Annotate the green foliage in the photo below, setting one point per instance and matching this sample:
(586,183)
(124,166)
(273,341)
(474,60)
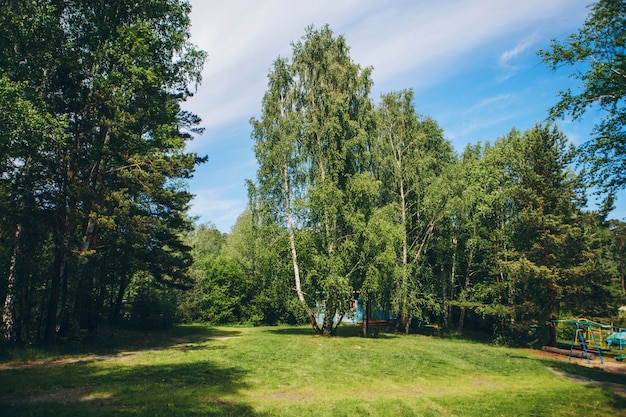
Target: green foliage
(532,253)
(94,155)
(242,277)
(219,288)
(375,205)
(596,54)
(205,241)
(222,292)
(152,306)
(311,144)
(412,163)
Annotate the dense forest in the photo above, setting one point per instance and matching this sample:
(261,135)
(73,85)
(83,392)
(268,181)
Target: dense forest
(354,199)
(92,195)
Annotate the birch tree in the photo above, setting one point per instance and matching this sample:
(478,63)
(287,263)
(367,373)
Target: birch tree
(413,160)
(311,142)
(277,150)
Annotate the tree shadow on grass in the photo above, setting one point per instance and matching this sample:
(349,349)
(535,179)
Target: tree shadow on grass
(113,341)
(137,340)
(200,388)
(589,373)
(467,336)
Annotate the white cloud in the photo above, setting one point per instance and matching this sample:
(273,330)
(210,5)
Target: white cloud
(491,101)
(423,38)
(507,56)
(410,43)
(212,205)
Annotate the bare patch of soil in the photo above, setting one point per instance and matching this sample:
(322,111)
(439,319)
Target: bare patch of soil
(284,395)
(56,362)
(609,365)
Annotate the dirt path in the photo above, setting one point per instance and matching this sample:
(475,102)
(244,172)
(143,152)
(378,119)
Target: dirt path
(609,365)
(618,388)
(65,361)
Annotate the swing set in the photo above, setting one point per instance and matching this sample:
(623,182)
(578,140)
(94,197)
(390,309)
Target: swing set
(589,336)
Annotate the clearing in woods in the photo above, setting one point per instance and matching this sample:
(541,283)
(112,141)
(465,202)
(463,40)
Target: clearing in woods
(285,371)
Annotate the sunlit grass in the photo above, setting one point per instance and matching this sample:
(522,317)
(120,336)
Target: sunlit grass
(288,371)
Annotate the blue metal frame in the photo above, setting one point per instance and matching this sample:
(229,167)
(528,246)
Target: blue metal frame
(579,331)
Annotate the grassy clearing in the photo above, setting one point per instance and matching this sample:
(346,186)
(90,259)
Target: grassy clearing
(288,371)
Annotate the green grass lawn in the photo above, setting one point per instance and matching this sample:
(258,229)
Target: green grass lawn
(288,371)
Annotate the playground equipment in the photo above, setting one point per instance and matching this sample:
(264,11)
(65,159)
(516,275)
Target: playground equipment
(590,335)
(617,338)
(594,337)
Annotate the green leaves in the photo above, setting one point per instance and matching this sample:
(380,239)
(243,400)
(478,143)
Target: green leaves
(374,203)
(100,136)
(311,147)
(411,161)
(597,54)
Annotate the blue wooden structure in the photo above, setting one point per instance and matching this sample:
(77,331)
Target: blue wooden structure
(356,314)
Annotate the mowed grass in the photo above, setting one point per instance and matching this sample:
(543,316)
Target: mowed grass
(288,371)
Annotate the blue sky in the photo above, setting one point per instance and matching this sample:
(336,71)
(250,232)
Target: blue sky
(471,63)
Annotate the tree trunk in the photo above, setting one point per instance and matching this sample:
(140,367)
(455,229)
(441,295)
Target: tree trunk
(462,312)
(59,273)
(403,320)
(8,313)
(51,321)
(466,284)
(499,279)
(551,307)
(116,315)
(86,314)
(327,328)
(546,259)
(366,318)
(448,320)
(294,254)
(461,320)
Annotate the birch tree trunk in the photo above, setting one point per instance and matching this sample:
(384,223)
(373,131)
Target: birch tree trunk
(8,313)
(294,254)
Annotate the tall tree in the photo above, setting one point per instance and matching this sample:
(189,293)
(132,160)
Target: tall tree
(545,193)
(597,55)
(540,256)
(492,291)
(412,167)
(312,138)
(337,115)
(116,73)
(279,176)
(471,244)
(30,136)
